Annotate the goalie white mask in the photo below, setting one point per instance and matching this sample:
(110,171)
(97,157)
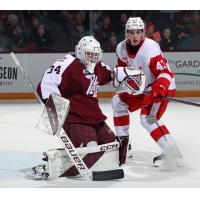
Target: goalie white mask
(89,52)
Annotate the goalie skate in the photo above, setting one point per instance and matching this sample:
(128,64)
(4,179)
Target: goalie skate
(38,173)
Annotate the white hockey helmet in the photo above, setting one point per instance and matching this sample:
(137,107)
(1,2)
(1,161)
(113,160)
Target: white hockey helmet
(89,52)
(134,23)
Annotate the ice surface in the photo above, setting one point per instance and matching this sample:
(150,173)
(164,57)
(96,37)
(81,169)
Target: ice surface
(21,147)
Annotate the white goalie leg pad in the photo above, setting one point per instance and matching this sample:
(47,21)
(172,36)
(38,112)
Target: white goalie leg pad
(58,161)
(109,160)
(62,108)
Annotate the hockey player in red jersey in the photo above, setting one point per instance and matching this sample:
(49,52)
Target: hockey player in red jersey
(78,79)
(157,80)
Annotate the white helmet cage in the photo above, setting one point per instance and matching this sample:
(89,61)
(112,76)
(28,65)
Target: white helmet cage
(135,84)
(134,23)
(89,52)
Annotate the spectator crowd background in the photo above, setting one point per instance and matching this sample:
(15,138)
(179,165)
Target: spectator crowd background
(58,31)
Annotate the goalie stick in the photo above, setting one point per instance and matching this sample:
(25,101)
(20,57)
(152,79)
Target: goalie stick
(65,140)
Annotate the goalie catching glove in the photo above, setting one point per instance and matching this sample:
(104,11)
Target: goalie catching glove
(131,80)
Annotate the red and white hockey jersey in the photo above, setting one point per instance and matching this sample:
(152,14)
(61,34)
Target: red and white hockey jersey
(148,58)
(68,78)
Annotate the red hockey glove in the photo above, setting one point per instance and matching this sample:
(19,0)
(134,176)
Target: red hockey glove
(160,87)
(123,140)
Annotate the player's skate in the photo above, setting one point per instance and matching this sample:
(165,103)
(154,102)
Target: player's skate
(171,156)
(170,159)
(178,157)
(38,172)
(158,161)
(165,161)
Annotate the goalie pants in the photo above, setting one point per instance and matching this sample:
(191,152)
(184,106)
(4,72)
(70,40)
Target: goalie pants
(150,114)
(82,134)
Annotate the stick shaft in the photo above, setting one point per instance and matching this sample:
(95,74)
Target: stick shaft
(26,77)
(176,100)
(183,101)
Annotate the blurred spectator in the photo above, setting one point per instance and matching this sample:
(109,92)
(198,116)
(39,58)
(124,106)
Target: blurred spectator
(41,41)
(4,42)
(78,20)
(194,26)
(15,33)
(3,20)
(70,28)
(184,39)
(152,33)
(61,30)
(32,28)
(167,43)
(181,19)
(96,16)
(103,32)
(113,41)
(121,26)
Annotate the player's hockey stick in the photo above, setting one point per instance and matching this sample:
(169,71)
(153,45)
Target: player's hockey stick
(177,100)
(65,140)
(182,101)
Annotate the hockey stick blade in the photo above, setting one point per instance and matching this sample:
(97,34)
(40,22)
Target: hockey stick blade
(107,175)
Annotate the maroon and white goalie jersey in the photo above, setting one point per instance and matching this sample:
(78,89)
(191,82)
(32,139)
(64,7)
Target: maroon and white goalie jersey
(148,58)
(68,78)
